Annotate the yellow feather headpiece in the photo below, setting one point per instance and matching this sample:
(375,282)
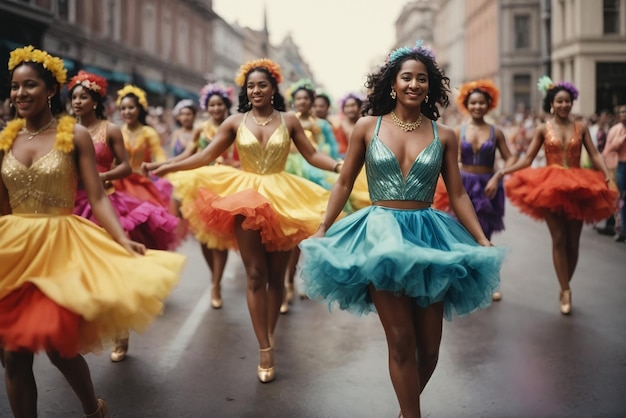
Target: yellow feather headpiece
(130,89)
(271,66)
(31,54)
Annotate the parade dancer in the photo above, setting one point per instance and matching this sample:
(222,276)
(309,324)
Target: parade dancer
(261,209)
(142,144)
(144,222)
(217,101)
(561,193)
(185,115)
(478,142)
(412,264)
(64,285)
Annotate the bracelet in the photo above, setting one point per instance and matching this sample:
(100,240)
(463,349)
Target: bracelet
(338,166)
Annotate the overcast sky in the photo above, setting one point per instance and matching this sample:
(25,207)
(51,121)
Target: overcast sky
(339,39)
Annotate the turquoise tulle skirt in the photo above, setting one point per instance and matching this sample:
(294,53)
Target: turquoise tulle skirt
(425,254)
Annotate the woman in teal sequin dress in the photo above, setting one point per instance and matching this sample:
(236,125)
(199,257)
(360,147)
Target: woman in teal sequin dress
(399,257)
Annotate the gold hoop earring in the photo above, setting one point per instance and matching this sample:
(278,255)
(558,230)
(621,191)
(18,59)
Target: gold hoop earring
(393,94)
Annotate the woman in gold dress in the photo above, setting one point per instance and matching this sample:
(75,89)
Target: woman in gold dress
(259,209)
(64,285)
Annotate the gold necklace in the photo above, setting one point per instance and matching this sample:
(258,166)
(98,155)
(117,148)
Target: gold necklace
(31,135)
(268,120)
(93,130)
(406,126)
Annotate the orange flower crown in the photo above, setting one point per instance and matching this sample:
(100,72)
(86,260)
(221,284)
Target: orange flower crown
(246,68)
(31,54)
(484,86)
(89,81)
(130,89)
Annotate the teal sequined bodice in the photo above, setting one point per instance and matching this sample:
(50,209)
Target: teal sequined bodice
(384,175)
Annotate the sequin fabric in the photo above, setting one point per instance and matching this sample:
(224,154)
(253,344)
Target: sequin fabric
(48,186)
(259,159)
(562,153)
(385,178)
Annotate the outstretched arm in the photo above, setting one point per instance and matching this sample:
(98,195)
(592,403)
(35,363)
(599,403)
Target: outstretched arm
(223,139)
(533,149)
(314,157)
(509,160)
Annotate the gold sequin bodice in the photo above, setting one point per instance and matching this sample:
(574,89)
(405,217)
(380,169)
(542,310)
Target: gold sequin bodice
(48,186)
(263,160)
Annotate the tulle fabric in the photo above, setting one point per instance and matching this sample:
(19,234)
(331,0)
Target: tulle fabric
(157,191)
(144,222)
(284,208)
(574,193)
(490,212)
(67,286)
(424,254)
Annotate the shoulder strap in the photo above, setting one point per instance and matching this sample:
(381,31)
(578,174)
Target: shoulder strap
(380,118)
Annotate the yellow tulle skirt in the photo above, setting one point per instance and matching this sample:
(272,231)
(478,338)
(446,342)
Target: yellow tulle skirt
(284,208)
(67,286)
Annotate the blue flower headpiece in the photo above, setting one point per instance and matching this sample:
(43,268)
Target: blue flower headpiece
(419,48)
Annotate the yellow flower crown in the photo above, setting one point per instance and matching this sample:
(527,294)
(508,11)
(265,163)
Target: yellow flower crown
(31,54)
(130,89)
(271,66)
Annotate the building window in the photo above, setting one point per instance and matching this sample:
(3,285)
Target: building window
(611,16)
(63,9)
(522,31)
(521,91)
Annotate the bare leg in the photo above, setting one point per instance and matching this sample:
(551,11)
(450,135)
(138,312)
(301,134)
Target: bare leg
(277,262)
(255,260)
(574,229)
(291,266)
(428,329)
(558,232)
(20,384)
(216,260)
(396,316)
(76,372)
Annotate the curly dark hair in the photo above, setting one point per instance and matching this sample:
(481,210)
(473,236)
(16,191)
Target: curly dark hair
(551,94)
(56,107)
(379,102)
(278,99)
(99,100)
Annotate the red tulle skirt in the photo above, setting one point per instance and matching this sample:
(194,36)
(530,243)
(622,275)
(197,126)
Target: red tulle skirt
(574,193)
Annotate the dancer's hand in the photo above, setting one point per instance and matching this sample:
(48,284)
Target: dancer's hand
(133,247)
(492,187)
(161,171)
(485,243)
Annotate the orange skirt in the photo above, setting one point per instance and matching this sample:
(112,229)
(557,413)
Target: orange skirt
(574,193)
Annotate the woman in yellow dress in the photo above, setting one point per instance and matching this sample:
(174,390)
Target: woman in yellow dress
(64,285)
(259,209)
(143,144)
(217,102)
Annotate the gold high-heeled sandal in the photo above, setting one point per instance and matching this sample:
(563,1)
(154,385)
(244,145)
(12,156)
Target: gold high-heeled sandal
(216,301)
(265,375)
(566,302)
(101,412)
(119,351)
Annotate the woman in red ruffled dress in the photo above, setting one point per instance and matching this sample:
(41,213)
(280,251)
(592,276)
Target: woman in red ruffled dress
(561,193)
